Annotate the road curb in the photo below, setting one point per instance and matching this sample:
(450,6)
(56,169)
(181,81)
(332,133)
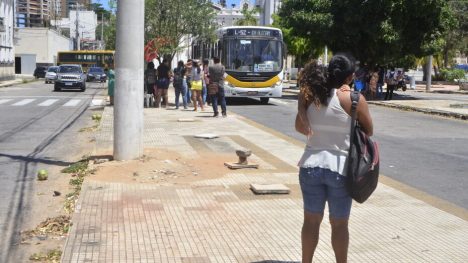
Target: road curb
(460,116)
(455,115)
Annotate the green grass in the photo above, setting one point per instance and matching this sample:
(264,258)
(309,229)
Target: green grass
(77,167)
(78,170)
(51,256)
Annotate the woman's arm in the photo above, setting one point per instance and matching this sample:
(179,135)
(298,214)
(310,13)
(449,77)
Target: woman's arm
(302,122)
(364,117)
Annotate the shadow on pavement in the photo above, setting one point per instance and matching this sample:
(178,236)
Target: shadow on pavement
(244,101)
(35,160)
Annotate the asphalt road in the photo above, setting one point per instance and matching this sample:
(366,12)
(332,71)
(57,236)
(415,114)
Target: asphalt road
(38,130)
(427,152)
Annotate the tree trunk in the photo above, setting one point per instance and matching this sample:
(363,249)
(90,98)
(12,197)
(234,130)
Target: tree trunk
(425,65)
(446,57)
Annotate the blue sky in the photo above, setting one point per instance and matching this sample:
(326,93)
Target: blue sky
(105,3)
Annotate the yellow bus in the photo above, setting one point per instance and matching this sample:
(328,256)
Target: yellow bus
(87,58)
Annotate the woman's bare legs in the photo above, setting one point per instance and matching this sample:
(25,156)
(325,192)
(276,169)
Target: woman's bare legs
(310,235)
(196,97)
(340,238)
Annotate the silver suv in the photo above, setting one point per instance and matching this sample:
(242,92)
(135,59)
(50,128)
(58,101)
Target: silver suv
(70,76)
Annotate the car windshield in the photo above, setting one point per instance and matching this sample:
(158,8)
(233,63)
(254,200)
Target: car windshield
(96,70)
(69,69)
(52,69)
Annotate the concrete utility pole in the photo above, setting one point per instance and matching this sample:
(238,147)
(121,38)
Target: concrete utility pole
(102,31)
(429,73)
(128,104)
(77,27)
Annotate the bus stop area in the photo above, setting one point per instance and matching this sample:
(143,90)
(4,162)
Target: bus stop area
(180,203)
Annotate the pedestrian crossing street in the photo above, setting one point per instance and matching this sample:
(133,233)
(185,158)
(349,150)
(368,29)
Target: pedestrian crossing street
(47,102)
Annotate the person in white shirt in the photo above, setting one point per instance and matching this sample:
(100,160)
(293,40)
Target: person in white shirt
(324,117)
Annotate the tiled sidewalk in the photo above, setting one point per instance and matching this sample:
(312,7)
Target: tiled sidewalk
(221,220)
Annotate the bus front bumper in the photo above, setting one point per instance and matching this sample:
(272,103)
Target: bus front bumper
(274,91)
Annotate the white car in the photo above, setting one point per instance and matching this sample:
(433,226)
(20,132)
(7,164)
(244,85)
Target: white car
(51,74)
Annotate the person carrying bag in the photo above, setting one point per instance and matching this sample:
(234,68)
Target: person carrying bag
(324,117)
(363,159)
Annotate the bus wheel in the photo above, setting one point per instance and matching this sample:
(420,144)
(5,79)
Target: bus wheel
(264,100)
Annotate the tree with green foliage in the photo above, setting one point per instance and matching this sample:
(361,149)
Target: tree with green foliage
(110,26)
(456,38)
(173,20)
(248,16)
(375,32)
(102,15)
(300,47)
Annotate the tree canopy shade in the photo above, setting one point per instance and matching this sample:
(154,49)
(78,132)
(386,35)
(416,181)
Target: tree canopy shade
(374,31)
(172,20)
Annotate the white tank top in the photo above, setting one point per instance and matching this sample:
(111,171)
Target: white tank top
(329,144)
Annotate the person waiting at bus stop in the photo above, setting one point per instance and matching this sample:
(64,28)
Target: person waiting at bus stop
(162,84)
(197,86)
(216,75)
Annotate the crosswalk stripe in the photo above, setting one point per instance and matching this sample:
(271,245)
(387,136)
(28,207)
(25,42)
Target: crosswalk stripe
(48,102)
(71,103)
(278,101)
(23,102)
(97,102)
(4,101)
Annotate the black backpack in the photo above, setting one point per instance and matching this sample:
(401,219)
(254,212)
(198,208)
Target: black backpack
(151,77)
(363,159)
(178,77)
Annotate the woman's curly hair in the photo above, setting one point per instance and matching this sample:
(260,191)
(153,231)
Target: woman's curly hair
(316,81)
(313,84)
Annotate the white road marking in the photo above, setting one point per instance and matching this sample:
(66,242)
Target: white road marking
(4,101)
(23,102)
(97,102)
(278,101)
(48,102)
(71,103)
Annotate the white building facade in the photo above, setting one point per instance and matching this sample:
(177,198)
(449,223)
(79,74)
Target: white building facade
(41,43)
(7,49)
(229,15)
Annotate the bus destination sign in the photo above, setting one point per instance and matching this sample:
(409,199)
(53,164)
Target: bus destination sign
(252,32)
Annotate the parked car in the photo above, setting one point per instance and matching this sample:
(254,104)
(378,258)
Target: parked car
(51,74)
(70,76)
(96,74)
(40,72)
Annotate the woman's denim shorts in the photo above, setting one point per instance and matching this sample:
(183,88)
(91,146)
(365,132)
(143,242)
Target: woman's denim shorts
(320,185)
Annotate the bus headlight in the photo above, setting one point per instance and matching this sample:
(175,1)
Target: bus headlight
(227,84)
(277,84)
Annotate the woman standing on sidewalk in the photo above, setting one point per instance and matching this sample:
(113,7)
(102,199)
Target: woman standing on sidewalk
(324,117)
(197,86)
(180,88)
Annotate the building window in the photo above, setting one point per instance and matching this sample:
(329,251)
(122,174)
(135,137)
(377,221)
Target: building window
(2,24)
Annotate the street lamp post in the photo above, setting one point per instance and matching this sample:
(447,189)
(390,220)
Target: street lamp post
(128,104)
(429,73)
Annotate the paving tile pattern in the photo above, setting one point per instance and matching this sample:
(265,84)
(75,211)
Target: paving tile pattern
(220,223)
(221,220)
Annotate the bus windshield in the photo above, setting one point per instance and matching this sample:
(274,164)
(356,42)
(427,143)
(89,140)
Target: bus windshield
(253,55)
